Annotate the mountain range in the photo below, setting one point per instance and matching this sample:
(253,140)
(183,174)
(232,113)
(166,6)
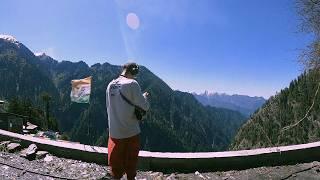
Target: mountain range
(242,103)
(176,122)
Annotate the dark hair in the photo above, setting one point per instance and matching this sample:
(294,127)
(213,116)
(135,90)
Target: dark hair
(132,68)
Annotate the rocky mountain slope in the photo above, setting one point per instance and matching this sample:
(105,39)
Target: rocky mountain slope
(244,104)
(176,122)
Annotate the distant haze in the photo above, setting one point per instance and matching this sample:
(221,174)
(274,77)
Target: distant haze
(242,103)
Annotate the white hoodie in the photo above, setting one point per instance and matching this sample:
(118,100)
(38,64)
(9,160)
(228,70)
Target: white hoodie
(121,118)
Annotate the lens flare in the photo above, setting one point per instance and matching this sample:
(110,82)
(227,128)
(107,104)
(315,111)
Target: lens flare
(133,21)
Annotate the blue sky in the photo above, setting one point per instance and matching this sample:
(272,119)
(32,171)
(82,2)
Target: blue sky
(246,47)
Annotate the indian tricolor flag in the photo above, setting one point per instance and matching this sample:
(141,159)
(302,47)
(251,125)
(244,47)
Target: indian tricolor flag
(81,89)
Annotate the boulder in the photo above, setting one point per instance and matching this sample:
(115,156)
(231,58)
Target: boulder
(48,158)
(41,154)
(12,147)
(30,152)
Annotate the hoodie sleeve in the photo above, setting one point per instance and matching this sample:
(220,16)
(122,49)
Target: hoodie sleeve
(138,99)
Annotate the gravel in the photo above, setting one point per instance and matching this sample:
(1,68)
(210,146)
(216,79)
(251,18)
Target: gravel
(13,166)
(49,166)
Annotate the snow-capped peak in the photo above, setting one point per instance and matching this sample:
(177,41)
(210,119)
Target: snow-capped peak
(9,38)
(40,54)
(43,56)
(208,93)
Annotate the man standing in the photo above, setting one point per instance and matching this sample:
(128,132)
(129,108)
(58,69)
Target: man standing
(124,144)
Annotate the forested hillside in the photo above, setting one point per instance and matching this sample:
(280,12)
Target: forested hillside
(290,117)
(293,115)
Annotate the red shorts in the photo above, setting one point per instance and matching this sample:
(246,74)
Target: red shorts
(123,156)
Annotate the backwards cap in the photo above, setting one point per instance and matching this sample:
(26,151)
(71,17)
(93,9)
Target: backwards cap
(131,67)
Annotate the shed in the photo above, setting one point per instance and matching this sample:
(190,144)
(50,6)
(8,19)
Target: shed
(11,122)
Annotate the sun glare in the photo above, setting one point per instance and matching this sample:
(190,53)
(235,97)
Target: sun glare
(133,21)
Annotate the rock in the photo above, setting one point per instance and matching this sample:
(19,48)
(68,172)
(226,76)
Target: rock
(41,154)
(48,158)
(199,175)
(5,167)
(12,147)
(105,177)
(30,152)
(3,145)
(171,177)
(156,175)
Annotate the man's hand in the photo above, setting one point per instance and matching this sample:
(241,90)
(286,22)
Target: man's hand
(146,94)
